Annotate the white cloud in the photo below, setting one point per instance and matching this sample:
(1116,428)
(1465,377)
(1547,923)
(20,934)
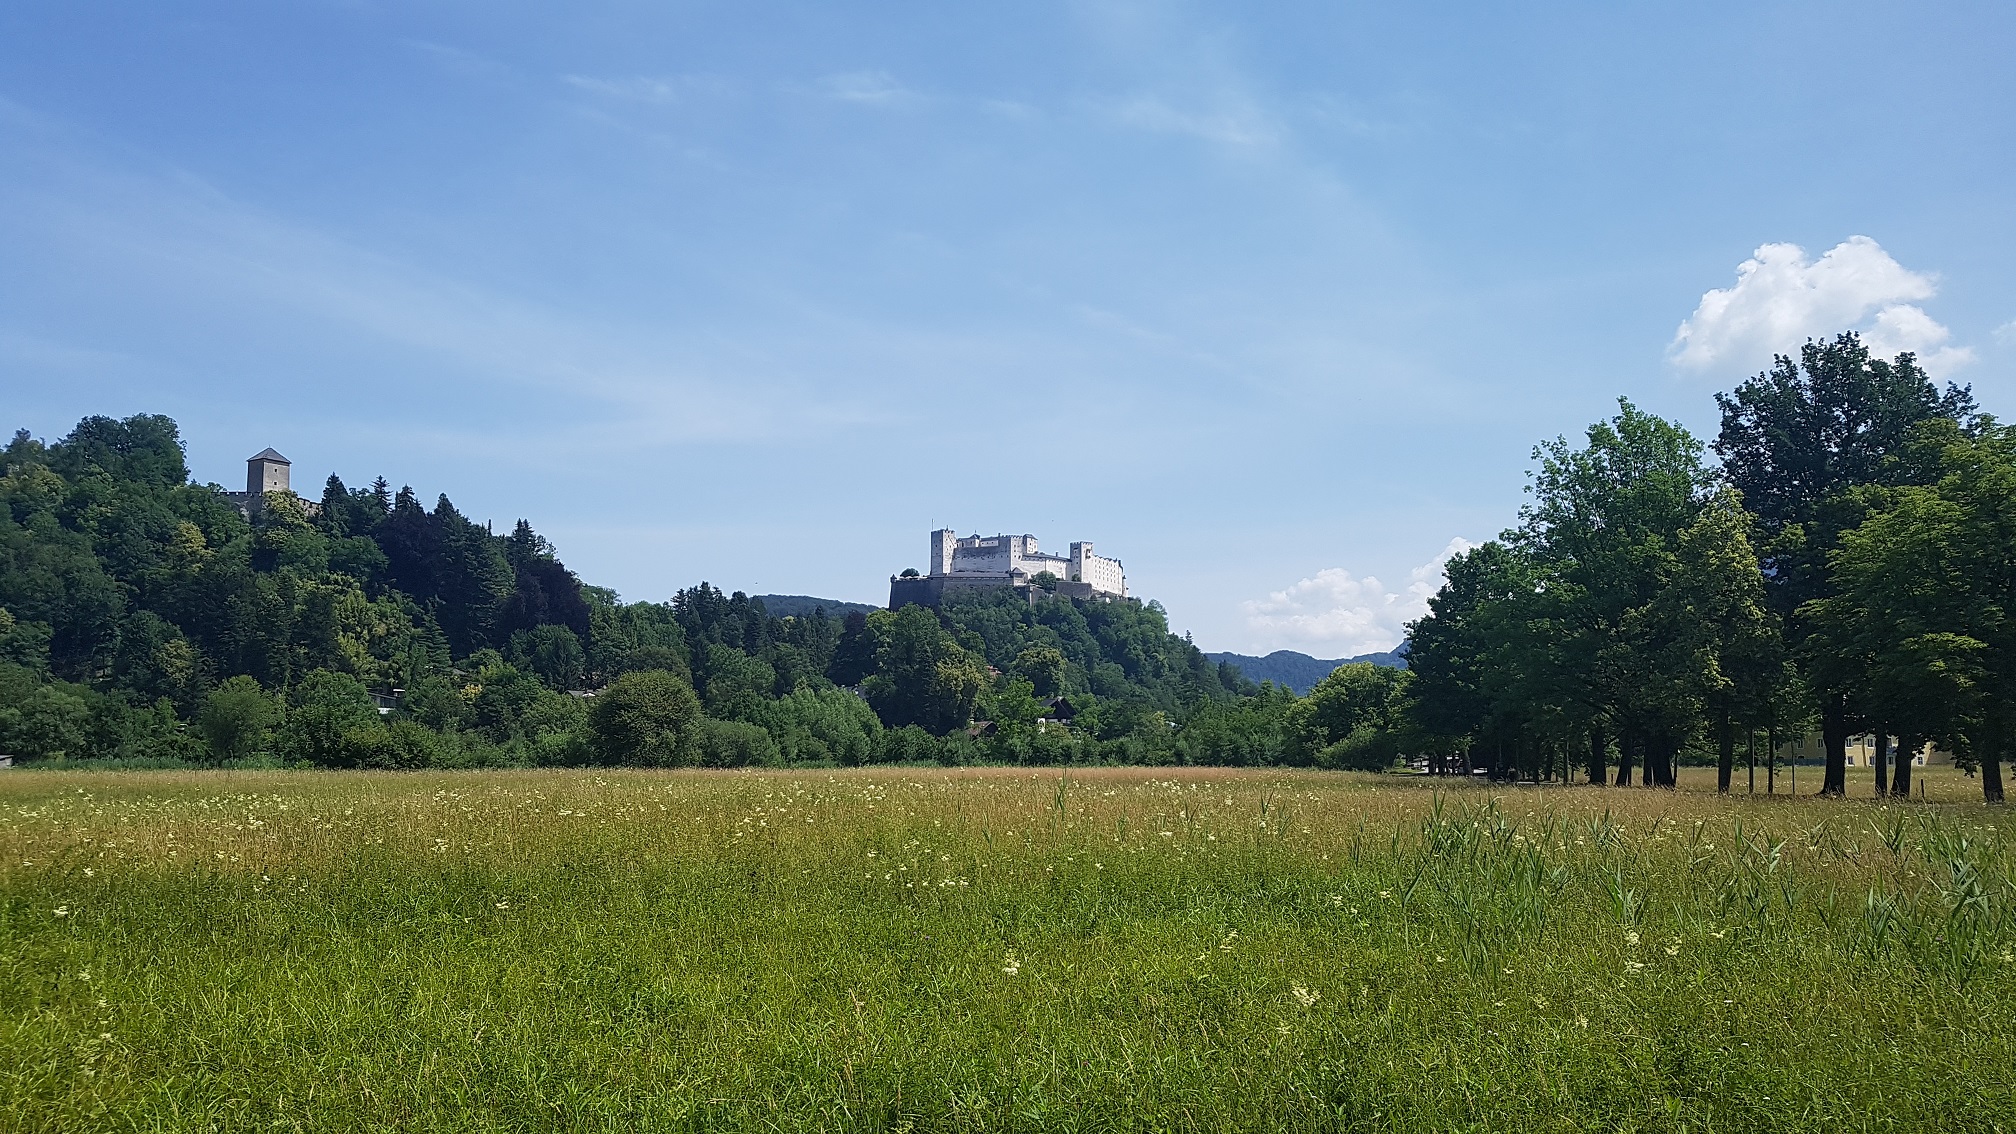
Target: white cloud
(1009,108)
(649,89)
(635,385)
(638,89)
(1240,124)
(457,60)
(1781,299)
(2006,333)
(1334,613)
(874,87)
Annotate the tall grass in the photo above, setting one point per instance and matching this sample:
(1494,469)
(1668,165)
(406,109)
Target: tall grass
(992,950)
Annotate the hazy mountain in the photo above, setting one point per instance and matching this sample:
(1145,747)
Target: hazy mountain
(1301,672)
(798,606)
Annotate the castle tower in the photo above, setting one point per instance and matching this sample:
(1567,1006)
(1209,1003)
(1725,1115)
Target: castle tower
(265,472)
(942,542)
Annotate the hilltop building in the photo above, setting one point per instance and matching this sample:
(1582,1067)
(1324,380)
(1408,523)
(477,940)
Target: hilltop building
(991,562)
(267,471)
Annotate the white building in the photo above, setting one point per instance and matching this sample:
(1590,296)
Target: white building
(977,562)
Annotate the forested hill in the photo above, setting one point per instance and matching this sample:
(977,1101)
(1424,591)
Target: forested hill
(144,617)
(1299,671)
(802,606)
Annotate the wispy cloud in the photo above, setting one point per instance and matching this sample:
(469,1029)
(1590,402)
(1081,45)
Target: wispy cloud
(875,88)
(656,90)
(171,234)
(1781,298)
(1009,108)
(1240,124)
(45,353)
(456,60)
(1336,613)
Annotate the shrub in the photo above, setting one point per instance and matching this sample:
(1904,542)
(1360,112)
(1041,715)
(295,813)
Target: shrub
(1367,749)
(237,719)
(908,745)
(651,718)
(819,724)
(334,724)
(735,744)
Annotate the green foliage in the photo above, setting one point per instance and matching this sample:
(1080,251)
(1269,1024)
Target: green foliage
(1843,565)
(1925,602)
(1043,668)
(1810,445)
(130,599)
(552,653)
(331,722)
(922,675)
(822,724)
(237,719)
(735,744)
(1628,603)
(1116,650)
(1351,719)
(650,719)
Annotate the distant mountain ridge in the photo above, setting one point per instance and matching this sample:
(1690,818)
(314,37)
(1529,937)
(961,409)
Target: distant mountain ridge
(1301,672)
(799,606)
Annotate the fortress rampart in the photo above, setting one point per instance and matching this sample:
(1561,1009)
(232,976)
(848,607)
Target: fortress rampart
(978,562)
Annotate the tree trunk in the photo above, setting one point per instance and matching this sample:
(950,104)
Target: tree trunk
(1881,759)
(1834,734)
(1991,775)
(1669,756)
(1750,758)
(1725,768)
(1597,757)
(1624,743)
(1771,762)
(1907,751)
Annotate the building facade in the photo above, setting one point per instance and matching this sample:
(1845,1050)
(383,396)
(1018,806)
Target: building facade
(990,562)
(1860,750)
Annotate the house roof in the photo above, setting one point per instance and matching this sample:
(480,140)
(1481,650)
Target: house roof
(269,455)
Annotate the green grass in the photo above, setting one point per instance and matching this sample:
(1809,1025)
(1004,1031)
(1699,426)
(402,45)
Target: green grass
(994,950)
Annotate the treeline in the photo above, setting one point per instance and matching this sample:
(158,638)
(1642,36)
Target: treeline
(1847,566)
(1842,566)
(145,619)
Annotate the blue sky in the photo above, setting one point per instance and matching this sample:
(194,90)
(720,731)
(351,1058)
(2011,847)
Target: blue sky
(1270,301)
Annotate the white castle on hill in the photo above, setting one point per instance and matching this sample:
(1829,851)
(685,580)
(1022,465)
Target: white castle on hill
(985,562)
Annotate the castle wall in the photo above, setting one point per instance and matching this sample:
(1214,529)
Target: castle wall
(987,561)
(930,590)
(983,557)
(1101,573)
(1000,554)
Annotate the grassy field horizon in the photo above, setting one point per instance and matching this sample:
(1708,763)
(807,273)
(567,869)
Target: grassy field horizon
(997,949)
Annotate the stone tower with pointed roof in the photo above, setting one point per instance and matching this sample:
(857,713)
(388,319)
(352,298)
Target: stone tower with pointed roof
(267,471)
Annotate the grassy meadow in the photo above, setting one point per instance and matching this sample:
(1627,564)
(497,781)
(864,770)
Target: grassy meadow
(895,949)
